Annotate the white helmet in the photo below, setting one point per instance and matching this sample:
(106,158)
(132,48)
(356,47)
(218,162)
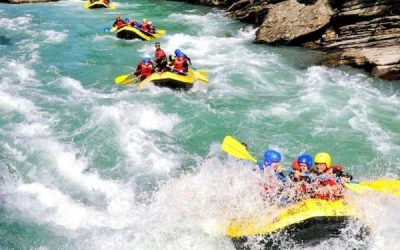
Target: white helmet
(150,23)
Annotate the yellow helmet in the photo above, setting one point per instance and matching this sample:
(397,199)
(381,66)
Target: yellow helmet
(145,20)
(323,158)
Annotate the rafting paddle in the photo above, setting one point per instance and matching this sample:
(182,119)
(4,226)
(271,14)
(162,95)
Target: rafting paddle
(387,186)
(235,148)
(199,74)
(125,79)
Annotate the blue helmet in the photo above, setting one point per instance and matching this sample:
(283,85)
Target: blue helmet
(177,52)
(146,59)
(126,20)
(307,159)
(271,156)
(180,54)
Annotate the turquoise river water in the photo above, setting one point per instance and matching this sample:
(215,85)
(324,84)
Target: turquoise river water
(87,164)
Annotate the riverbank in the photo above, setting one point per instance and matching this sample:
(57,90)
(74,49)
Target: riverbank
(359,33)
(26,1)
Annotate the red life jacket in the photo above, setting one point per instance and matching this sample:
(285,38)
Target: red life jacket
(330,182)
(159,54)
(145,27)
(120,23)
(146,70)
(178,64)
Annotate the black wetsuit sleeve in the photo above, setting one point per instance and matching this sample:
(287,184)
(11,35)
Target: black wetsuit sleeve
(186,66)
(190,61)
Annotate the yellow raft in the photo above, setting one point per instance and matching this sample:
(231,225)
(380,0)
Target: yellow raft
(175,81)
(128,32)
(170,80)
(98,4)
(306,222)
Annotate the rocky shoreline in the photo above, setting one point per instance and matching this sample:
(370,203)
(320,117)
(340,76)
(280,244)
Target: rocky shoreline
(359,33)
(27,1)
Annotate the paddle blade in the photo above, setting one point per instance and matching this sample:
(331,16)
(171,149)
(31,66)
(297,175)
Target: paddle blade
(386,186)
(129,81)
(121,78)
(112,6)
(233,147)
(160,32)
(196,74)
(113,29)
(144,82)
(203,72)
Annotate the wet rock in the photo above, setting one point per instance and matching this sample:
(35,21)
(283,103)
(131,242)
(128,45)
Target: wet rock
(290,21)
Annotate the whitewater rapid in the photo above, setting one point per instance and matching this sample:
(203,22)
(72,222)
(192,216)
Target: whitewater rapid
(87,164)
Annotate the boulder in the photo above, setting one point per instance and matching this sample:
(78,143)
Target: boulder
(290,21)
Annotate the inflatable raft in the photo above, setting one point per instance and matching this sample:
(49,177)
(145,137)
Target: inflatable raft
(128,32)
(98,4)
(170,80)
(175,81)
(306,222)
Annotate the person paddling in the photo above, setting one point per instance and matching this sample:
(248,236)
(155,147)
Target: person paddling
(144,69)
(302,168)
(160,58)
(134,23)
(179,52)
(271,164)
(152,28)
(144,26)
(328,182)
(180,65)
(119,23)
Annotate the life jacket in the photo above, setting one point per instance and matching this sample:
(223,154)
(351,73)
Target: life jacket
(120,23)
(179,64)
(152,29)
(327,179)
(146,70)
(145,27)
(160,54)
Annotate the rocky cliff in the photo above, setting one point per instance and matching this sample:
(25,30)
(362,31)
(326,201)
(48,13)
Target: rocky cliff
(359,33)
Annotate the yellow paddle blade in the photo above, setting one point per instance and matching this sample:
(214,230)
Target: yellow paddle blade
(111,6)
(121,78)
(129,80)
(113,29)
(160,32)
(203,72)
(196,74)
(144,82)
(383,186)
(233,147)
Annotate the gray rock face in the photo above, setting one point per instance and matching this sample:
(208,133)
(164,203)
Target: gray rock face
(290,20)
(210,2)
(27,1)
(359,33)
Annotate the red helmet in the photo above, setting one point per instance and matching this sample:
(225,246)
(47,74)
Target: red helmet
(295,165)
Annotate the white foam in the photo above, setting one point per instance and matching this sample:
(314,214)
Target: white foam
(18,23)
(24,74)
(18,104)
(16,153)
(53,36)
(203,22)
(139,145)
